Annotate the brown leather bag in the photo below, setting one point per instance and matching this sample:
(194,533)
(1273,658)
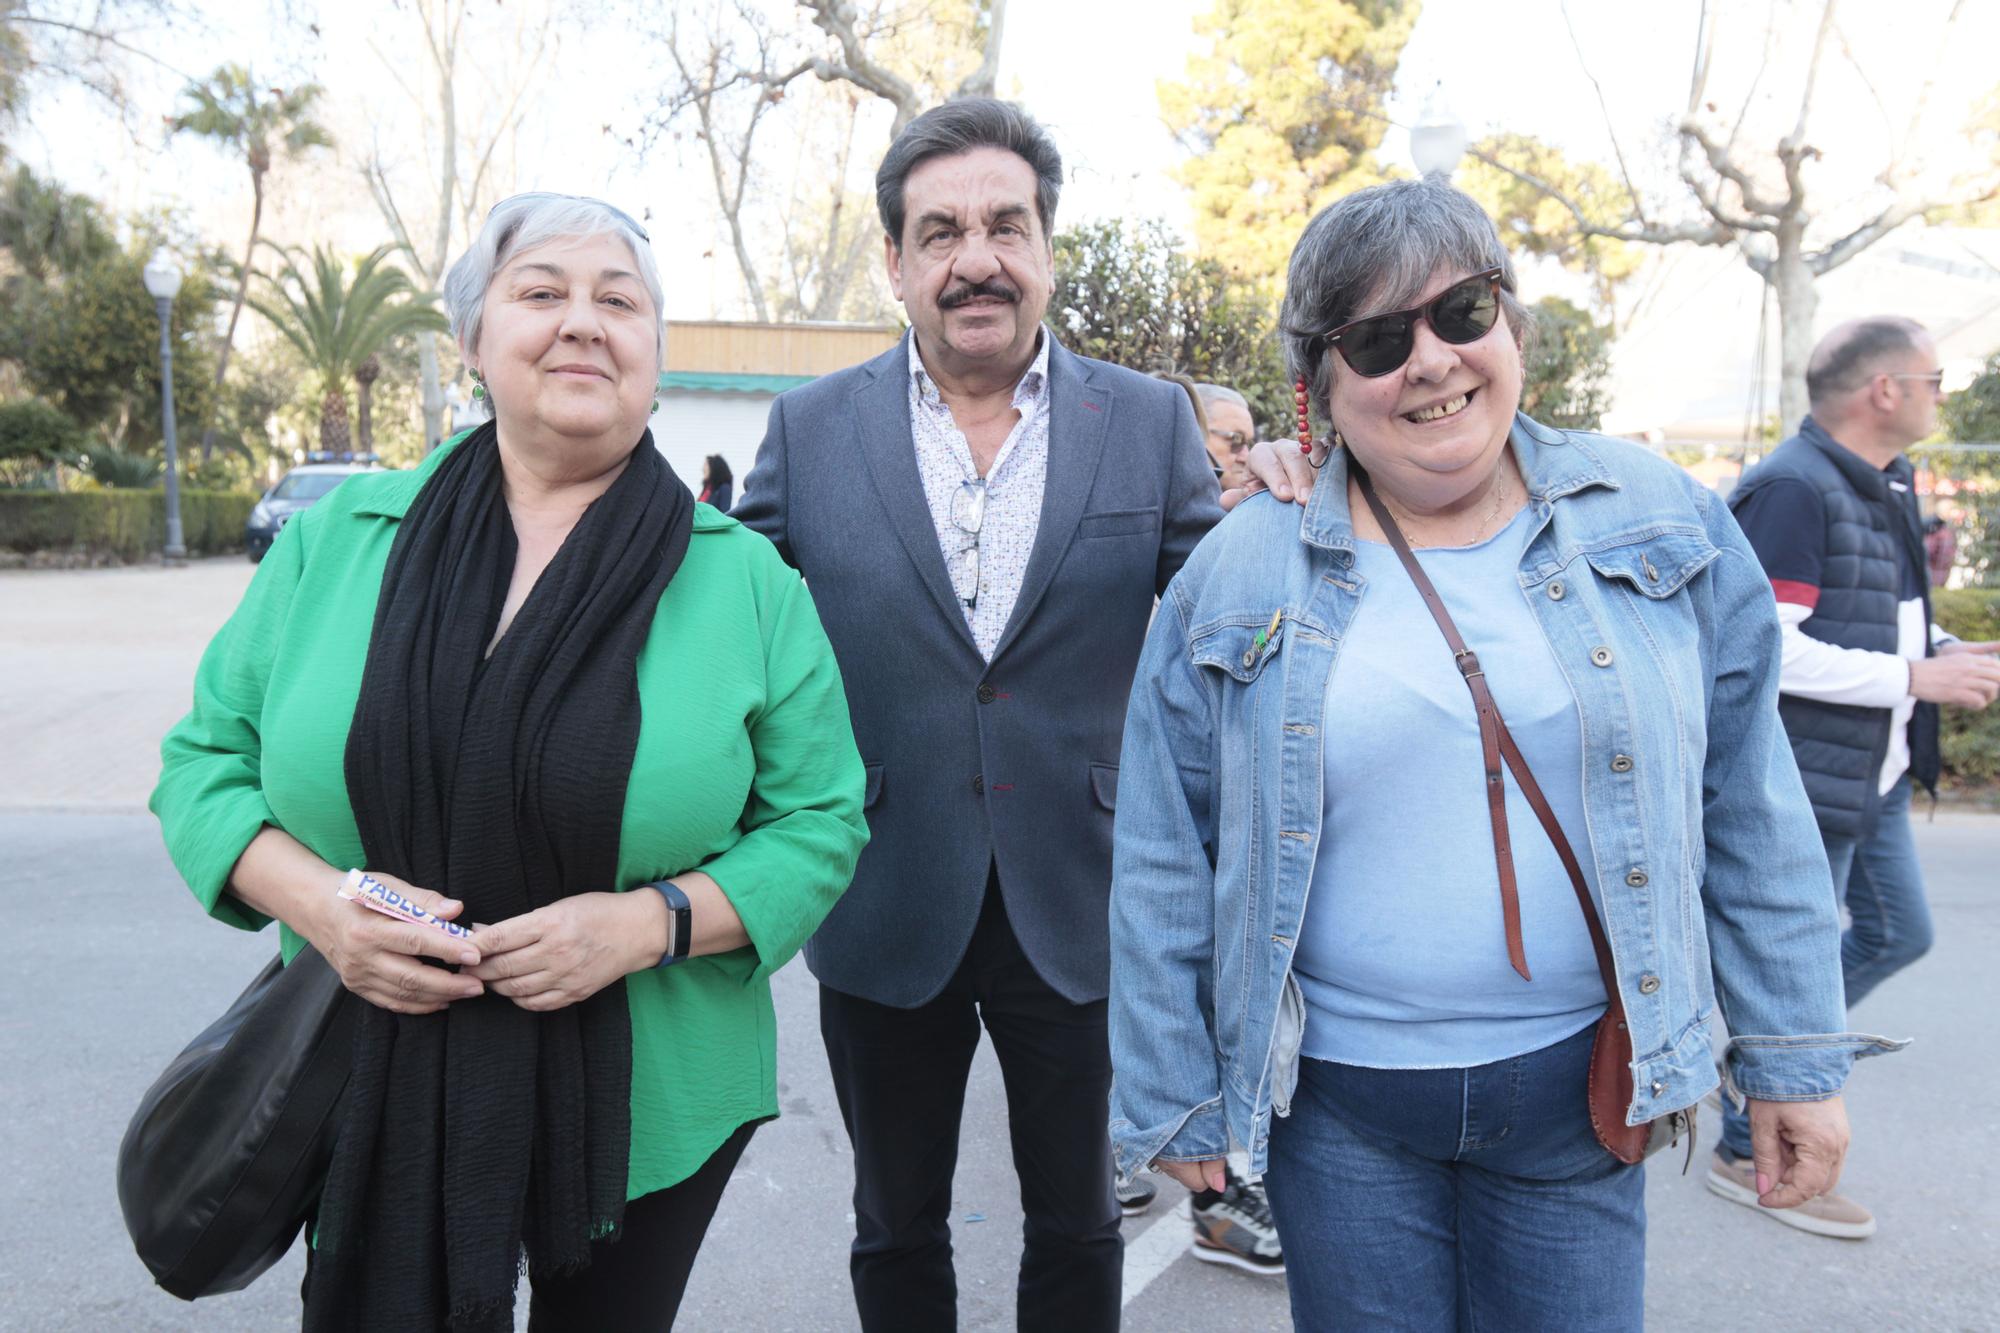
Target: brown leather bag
(1610,1084)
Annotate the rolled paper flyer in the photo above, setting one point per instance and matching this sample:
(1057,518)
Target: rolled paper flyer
(364,888)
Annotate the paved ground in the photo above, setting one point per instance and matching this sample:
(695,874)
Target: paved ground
(110,969)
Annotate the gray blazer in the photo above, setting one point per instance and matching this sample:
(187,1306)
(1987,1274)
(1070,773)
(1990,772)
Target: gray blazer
(1015,762)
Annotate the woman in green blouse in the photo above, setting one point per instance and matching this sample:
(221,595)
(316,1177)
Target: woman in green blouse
(537,689)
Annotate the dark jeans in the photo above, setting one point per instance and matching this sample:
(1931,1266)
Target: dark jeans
(636,1282)
(900,1075)
(1428,1199)
(1889,921)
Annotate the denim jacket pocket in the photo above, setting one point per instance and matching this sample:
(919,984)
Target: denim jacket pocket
(1241,649)
(1657,564)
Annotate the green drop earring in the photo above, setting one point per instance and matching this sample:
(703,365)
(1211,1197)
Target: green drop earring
(478,386)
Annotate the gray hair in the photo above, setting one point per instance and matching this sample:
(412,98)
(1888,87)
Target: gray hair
(1376,250)
(524,222)
(959,127)
(1212,394)
(1854,353)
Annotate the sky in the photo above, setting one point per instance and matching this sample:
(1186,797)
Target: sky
(1089,69)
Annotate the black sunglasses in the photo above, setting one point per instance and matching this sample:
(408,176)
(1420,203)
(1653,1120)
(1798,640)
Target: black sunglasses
(1463,312)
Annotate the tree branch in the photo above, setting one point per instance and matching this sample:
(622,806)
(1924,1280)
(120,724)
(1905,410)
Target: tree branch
(1724,166)
(1638,205)
(1633,230)
(979,83)
(1906,206)
(836,18)
(1922,107)
(101,37)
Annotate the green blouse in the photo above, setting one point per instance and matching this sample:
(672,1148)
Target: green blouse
(745,769)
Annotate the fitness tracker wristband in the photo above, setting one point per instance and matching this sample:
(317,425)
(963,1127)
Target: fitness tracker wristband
(682,913)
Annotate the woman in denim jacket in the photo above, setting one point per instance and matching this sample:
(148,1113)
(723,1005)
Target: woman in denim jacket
(1307,919)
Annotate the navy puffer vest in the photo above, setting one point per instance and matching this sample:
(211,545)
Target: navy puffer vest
(1870,530)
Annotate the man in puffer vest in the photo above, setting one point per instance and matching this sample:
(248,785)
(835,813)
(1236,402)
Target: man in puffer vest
(1832,514)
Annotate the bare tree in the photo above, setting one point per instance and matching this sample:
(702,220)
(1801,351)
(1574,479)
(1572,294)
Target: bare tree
(462,138)
(88,43)
(731,75)
(1759,203)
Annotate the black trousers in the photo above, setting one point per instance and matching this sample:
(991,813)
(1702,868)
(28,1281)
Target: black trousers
(635,1283)
(900,1076)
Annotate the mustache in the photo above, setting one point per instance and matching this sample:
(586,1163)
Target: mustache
(996,288)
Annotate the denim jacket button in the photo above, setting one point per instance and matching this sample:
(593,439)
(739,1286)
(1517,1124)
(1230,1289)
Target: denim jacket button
(1648,984)
(1621,763)
(1556,590)
(1600,656)
(1636,878)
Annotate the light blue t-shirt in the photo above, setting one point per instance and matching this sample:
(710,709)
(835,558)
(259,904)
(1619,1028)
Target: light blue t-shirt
(1402,958)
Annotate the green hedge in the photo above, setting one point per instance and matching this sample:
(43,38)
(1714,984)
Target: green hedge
(130,525)
(1971,740)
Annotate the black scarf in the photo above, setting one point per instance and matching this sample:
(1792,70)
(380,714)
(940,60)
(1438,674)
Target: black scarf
(470,1135)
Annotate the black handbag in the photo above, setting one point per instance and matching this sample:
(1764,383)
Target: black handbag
(225,1158)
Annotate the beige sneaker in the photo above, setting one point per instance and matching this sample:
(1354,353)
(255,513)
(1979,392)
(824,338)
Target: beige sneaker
(1828,1215)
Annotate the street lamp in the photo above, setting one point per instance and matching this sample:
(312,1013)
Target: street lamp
(1437,140)
(163,281)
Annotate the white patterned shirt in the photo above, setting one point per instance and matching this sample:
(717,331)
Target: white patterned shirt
(1014,486)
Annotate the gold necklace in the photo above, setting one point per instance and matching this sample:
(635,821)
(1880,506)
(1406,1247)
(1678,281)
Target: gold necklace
(1480,534)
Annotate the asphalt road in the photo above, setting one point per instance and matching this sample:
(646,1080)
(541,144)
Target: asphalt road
(109,969)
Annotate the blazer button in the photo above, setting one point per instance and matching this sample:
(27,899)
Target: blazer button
(979,784)
(1636,878)
(1648,984)
(1556,590)
(1600,656)
(985,694)
(1621,763)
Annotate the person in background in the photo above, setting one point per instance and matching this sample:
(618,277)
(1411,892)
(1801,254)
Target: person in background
(1229,431)
(1940,549)
(1832,515)
(530,683)
(717,483)
(985,520)
(1326,944)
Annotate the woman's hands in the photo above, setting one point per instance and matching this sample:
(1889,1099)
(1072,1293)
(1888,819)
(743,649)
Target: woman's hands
(571,949)
(1206,1174)
(379,957)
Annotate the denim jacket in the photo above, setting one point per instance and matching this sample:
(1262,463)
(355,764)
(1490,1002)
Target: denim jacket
(1713,883)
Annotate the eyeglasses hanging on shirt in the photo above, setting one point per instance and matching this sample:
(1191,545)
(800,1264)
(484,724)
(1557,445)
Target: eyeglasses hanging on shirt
(968,515)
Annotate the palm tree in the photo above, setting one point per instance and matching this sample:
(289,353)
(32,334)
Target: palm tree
(337,322)
(228,107)
(365,376)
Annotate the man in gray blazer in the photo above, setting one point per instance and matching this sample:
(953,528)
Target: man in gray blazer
(984,520)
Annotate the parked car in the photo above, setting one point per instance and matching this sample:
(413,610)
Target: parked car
(295,492)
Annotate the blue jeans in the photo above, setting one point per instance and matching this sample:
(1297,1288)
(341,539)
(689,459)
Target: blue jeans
(1889,919)
(1456,1198)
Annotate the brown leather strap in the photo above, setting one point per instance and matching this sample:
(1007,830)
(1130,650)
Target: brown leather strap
(1496,743)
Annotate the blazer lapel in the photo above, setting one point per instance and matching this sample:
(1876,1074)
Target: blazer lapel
(1078,411)
(881,420)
